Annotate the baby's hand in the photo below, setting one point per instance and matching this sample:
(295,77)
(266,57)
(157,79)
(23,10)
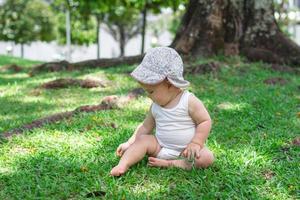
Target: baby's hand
(122,148)
(192,150)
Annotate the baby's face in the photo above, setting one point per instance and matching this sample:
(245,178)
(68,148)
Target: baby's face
(159,93)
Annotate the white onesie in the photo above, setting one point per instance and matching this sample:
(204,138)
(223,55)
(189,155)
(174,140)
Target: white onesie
(174,127)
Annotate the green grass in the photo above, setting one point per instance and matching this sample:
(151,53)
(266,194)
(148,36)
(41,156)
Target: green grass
(251,138)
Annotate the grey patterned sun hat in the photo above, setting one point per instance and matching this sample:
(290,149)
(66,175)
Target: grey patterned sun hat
(160,63)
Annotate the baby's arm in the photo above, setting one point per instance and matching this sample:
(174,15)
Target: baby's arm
(203,123)
(144,128)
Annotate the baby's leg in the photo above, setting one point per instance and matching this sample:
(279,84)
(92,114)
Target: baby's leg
(144,144)
(181,163)
(206,159)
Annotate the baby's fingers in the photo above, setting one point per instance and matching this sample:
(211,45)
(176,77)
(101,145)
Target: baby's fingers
(198,153)
(192,155)
(184,153)
(189,154)
(119,151)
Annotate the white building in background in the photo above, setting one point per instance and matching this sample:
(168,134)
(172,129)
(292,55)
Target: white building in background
(108,46)
(294,29)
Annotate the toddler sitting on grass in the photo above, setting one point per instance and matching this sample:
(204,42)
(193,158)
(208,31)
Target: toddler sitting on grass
(182,123)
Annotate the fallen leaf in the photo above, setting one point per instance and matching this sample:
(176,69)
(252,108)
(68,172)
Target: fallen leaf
(84,169)
(296,141)
(114,125)
(268,174)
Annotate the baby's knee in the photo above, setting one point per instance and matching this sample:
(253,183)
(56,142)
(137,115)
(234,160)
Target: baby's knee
(206,159)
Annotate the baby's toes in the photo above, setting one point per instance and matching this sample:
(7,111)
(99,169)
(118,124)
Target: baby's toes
(118,170)
(151,159)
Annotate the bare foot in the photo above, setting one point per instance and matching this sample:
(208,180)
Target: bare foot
(118,170)
(156,162)
(183,164)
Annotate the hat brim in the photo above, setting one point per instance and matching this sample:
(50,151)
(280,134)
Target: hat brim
(146,76)
(180,83)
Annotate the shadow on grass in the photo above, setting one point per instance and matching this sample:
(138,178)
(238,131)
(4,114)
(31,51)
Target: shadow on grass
(47,174)
(246,139)
(62,172)
(15,112)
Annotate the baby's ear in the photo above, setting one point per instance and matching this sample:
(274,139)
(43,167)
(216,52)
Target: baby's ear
(168,83)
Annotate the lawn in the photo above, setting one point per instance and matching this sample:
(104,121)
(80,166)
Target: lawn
(254,126)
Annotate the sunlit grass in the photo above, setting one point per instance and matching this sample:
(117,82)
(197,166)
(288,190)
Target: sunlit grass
(253,127)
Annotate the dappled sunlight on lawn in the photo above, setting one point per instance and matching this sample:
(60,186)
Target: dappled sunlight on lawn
(13,77)
(43,140)
(233,106)
(253,127)
(248,168)
(6,170)
(56,143)
(15,111)
(148,187)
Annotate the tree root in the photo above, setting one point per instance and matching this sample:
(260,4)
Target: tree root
(276,80)
(203,68)
(107,103)
(13,67)
(97,63)
(67,82)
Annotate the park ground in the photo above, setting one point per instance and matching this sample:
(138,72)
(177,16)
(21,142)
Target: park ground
(255,136)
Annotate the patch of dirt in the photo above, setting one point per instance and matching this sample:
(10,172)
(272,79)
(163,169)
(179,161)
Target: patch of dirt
(35,92)
(268,174)
(136,92)
(67,82)
(231,49)
(275,81)
(283,68)
(107,102)
(296,141)
(12,67)
(203,68)
(52,67)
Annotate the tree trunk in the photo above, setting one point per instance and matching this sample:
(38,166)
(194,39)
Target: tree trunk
(97,36)
(234,27)
(122,41)
(22,50)
(144,28)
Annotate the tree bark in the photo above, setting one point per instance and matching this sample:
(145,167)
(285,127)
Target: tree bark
(233,27)
(122,41)
(144,28)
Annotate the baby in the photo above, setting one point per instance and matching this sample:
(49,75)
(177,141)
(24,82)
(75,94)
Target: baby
(181,122)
